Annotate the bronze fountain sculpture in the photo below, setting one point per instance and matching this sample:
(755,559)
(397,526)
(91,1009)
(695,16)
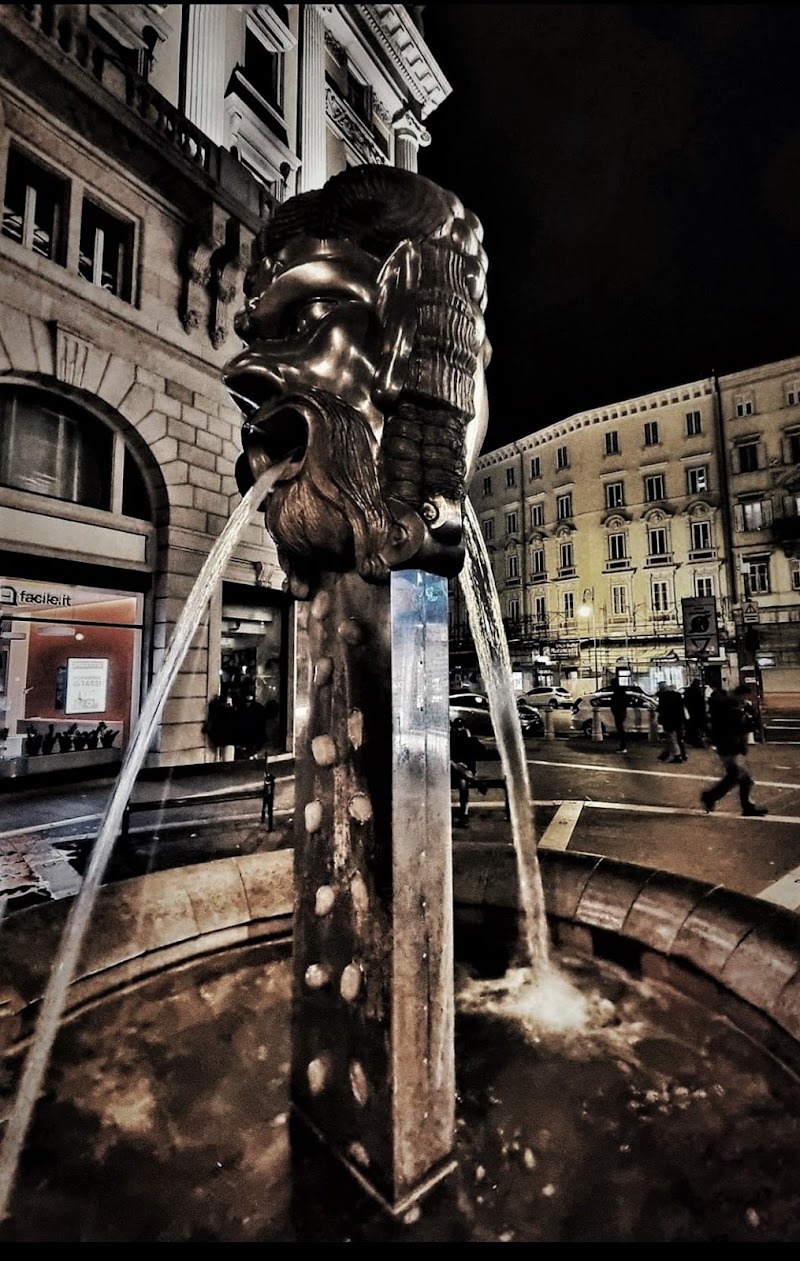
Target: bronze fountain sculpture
(364,371)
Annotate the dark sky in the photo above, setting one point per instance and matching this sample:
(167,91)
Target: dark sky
(637,172)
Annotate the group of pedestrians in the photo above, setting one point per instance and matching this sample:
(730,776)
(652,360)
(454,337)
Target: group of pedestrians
(725,723)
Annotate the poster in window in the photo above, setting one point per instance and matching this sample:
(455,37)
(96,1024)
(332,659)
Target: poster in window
(87,685)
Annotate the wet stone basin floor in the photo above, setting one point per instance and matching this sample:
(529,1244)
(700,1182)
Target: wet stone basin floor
(166,1118)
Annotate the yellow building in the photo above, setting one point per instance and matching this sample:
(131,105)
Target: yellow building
(609,530)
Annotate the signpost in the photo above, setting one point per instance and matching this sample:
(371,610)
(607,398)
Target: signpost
(750,612)
(700,631)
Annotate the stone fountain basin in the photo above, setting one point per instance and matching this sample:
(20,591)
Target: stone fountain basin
(184,983)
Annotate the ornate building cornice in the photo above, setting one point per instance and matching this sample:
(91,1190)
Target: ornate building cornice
(346,124)
(403,48)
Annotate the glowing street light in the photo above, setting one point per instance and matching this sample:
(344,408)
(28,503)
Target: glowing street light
(586,610)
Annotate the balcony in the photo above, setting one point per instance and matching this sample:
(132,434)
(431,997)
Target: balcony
(659,558)
(49,54)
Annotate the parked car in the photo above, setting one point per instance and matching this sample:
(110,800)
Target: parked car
(640,707)
(473,707)
(555,697)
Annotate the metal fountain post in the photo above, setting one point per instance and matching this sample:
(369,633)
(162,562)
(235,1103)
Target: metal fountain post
(373,1022)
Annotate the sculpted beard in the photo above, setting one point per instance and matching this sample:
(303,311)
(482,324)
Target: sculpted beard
(333,510)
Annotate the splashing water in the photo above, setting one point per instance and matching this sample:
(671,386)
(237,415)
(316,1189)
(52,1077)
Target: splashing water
(486,623)
(71,944)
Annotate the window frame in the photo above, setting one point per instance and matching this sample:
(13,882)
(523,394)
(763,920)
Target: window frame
(537,516)
(512,521)
(59,235)
(658,481)
(697,479)
(694,423)
(562,458)
(564,506)
(650,433)
(614,494)
(611,442)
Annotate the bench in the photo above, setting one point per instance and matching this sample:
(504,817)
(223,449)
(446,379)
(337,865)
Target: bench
(266,794)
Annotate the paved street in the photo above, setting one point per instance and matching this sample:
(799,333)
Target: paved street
(588,798)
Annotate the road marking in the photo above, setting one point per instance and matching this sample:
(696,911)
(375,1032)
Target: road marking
(558,833)
(784,892)
(630,770)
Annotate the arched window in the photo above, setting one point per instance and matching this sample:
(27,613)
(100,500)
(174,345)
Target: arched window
(49,446)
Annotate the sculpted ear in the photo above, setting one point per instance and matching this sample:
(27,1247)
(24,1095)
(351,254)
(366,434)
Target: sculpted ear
(398,286)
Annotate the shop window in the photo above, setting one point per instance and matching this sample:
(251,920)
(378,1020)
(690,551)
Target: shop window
(106,251)
(34,207)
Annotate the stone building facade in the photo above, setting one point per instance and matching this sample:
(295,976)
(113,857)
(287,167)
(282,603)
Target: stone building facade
(603,526)
(141,148)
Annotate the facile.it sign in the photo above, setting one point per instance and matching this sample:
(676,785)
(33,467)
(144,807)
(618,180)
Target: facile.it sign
(28,595)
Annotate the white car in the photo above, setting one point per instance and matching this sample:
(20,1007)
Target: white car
(552,697)
(638,717)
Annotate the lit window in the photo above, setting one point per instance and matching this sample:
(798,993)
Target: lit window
(536,467)
(615,494)
(562,458)
(612,443)
(654,487)
(106,254)
(753,514)
(697,479)
(537,515)
(651,433)
(510,476)
(33,207)
(694,424)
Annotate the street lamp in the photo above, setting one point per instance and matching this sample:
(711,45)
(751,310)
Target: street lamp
(587,610)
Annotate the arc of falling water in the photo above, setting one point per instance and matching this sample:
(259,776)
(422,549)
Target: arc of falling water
(486,623)
(72,938)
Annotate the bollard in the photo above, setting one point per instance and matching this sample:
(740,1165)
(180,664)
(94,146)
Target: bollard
(597,725)
(549,724)
(653,736)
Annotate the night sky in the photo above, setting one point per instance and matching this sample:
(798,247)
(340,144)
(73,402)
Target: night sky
(637,172)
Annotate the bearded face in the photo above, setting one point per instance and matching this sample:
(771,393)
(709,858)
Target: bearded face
(371,479)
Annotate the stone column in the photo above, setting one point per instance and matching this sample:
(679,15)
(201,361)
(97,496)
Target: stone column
(313,128)
(205,68)
(409,136)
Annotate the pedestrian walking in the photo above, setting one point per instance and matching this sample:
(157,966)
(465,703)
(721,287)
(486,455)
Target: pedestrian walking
(672,716)
(729,728)
(694,700)
(618,704)
(465,749)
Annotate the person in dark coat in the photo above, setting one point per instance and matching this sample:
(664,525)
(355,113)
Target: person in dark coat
(672,717)
(618,705)
(694,700)
(465,749)
(729,728)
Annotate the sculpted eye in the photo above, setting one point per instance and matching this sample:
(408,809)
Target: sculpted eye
(311,313)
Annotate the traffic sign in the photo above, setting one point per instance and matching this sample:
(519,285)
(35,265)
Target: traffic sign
(751,612)
(700,633)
